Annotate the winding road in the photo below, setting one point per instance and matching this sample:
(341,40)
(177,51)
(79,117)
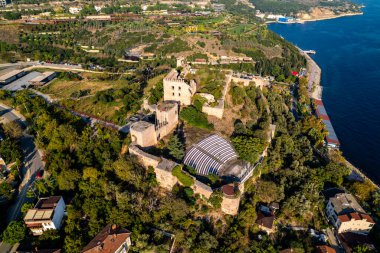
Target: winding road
(32,163)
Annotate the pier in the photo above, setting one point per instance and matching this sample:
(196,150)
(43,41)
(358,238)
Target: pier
(309,51)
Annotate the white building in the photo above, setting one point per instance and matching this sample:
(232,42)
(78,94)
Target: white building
(3,3)
(98,8)
(345,213)
(75,10)
(47,214)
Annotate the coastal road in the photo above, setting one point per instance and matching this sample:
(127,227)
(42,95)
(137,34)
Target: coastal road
(32,163)
(314,77)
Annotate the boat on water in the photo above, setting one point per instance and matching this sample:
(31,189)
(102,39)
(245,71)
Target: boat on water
(309,51)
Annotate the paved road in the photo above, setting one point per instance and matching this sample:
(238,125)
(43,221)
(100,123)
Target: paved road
(17,64)
(32,163)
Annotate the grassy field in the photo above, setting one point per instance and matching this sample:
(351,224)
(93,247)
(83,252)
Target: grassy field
(88,105)
(67,92)
(60,88)
(152,82)
(9,32)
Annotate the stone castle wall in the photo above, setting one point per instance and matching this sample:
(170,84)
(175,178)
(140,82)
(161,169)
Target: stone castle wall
(167,180)
(213,111)
(145,158)
(230,205)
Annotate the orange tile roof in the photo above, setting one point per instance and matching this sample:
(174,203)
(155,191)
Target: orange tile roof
(367,217)
(108,240)
(355,216)
(344,218)
(325,249)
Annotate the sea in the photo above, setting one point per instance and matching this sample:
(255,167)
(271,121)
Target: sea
(348,52)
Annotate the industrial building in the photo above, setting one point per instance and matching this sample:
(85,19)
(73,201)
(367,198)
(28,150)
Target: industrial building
(43,78)
(215,155)
(11,76)
(331,140)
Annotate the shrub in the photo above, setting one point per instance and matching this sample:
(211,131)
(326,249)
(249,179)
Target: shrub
(195,118)
(176,46)
(216,199)
(201,43)
(14,233)
(156,93)
(238,94)
(183,178)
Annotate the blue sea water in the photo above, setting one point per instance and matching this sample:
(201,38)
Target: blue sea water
(348,52)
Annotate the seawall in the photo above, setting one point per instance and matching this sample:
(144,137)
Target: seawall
(315,71)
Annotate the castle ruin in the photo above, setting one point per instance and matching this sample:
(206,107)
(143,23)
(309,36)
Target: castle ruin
(146,134)
(177,88)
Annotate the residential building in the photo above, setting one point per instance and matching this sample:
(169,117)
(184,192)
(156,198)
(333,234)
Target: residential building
(47,214)
(75,10)
(112,239)
(177,88)
(325,249)
(218,7)
(347,215)
(3,3)
(265,219)
(351,240)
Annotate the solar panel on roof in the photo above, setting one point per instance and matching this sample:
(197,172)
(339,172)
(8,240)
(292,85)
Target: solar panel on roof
(39,215)
(47,214)
(30,214)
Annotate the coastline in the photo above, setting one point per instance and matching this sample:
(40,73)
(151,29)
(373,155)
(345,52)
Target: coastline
(332,17)
(315,71)
(302,21)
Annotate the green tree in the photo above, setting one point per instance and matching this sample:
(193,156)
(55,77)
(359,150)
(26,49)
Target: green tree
(6,190)
(248,147)
(176,148)
(50,238)
(268,191)
(216,199)
(14,233)
(68,179)
(362,249)
(13,130)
